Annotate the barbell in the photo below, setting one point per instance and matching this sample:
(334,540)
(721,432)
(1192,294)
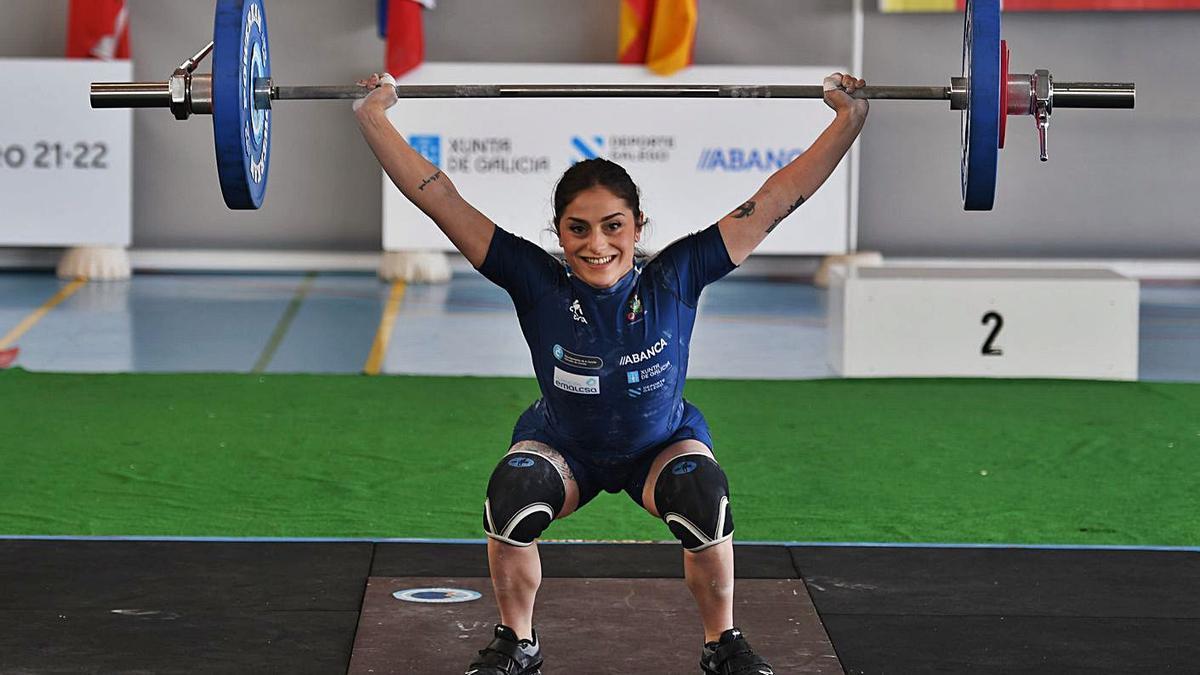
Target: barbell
(239,94)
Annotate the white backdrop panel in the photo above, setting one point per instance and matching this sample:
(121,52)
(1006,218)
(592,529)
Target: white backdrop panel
(695,160)
(65,169)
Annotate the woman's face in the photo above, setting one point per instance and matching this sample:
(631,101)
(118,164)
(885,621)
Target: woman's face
(597,233)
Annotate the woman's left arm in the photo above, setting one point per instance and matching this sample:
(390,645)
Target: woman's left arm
(745,228)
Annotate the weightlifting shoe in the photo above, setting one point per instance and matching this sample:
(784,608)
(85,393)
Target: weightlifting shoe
(732,655)
(506,655)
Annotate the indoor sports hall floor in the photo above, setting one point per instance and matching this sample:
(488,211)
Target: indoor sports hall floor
(76,605)
(749,328)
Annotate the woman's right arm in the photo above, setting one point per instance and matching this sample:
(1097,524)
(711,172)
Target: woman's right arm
(419,180)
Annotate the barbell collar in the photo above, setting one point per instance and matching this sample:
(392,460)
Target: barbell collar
(1094,94)
(200,96)
(131,94)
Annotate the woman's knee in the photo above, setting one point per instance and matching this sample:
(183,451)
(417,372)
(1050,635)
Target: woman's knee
(691,495)
(527,490)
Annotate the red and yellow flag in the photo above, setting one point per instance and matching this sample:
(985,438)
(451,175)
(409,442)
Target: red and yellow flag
(659,33)
(97,29)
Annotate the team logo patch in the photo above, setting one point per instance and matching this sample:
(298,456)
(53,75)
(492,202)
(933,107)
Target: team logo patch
(520,462)
(436,595)
(644,355)
(577,312)
(634,311)
(652,371)
(576,384)
(686,466)
(578,360)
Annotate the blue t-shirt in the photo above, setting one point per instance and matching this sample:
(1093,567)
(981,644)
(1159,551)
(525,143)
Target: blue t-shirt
(610,362)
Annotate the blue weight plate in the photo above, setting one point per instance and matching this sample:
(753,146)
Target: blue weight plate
(981,119)
(241,131)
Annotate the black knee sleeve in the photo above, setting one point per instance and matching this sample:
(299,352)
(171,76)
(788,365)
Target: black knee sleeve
(523,496)
(692,496)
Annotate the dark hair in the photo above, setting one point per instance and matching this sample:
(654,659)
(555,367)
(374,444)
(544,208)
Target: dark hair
(591,173)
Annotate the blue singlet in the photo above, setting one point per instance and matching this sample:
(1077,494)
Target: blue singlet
(611,363)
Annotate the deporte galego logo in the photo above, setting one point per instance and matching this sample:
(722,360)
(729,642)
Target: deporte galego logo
(586,147)
(634,148)
(763,160)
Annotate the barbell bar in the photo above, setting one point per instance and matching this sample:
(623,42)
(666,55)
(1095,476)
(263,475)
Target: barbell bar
(239,94)
(158,95)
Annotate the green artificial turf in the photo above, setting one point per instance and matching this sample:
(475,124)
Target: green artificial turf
(978,461)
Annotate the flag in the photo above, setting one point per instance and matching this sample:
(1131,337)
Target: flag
(634,35)
(1101,5)
(1041,5)
(405,33)
(659,33)
(97,29)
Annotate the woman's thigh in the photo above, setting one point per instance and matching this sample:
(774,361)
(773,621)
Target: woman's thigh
(564,470)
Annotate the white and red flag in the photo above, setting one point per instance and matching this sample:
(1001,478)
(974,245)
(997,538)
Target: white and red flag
(97,29)
(405,34)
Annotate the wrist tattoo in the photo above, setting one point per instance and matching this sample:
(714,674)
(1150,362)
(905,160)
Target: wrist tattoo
(429,180)
(745,210)
(791,208)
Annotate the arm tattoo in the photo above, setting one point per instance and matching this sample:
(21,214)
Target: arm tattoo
(791,208)
(429,180)
(745,210)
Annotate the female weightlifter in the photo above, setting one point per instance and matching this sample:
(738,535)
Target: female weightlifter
(609,341)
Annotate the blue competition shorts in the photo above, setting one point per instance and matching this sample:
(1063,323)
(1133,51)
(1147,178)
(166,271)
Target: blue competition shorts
(629,475)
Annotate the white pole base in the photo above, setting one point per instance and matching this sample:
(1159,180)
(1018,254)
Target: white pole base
(857,259)
(415,267)
(96,263)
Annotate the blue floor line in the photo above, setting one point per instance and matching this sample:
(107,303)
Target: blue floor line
(420,540)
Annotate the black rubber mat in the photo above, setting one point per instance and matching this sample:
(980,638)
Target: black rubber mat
(161,639)
(129,606)
(1013,644)
(972,581)
(174,574)
(179,607)
(988,610)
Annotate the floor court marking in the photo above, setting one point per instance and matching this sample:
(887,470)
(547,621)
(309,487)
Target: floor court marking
(384,334)
(29,321)
(285,322)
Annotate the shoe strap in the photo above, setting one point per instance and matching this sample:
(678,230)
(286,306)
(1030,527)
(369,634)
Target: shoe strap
(737,657)
(507,648)
(731,649)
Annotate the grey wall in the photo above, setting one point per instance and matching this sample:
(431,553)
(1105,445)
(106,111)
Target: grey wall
(1118,183)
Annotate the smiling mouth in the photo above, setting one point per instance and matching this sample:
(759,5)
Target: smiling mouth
(599,261)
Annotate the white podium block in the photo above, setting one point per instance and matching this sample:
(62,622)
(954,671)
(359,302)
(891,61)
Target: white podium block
(943,322)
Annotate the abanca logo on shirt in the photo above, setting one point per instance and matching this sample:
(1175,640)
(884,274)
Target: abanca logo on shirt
(576,384)
(644,355)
